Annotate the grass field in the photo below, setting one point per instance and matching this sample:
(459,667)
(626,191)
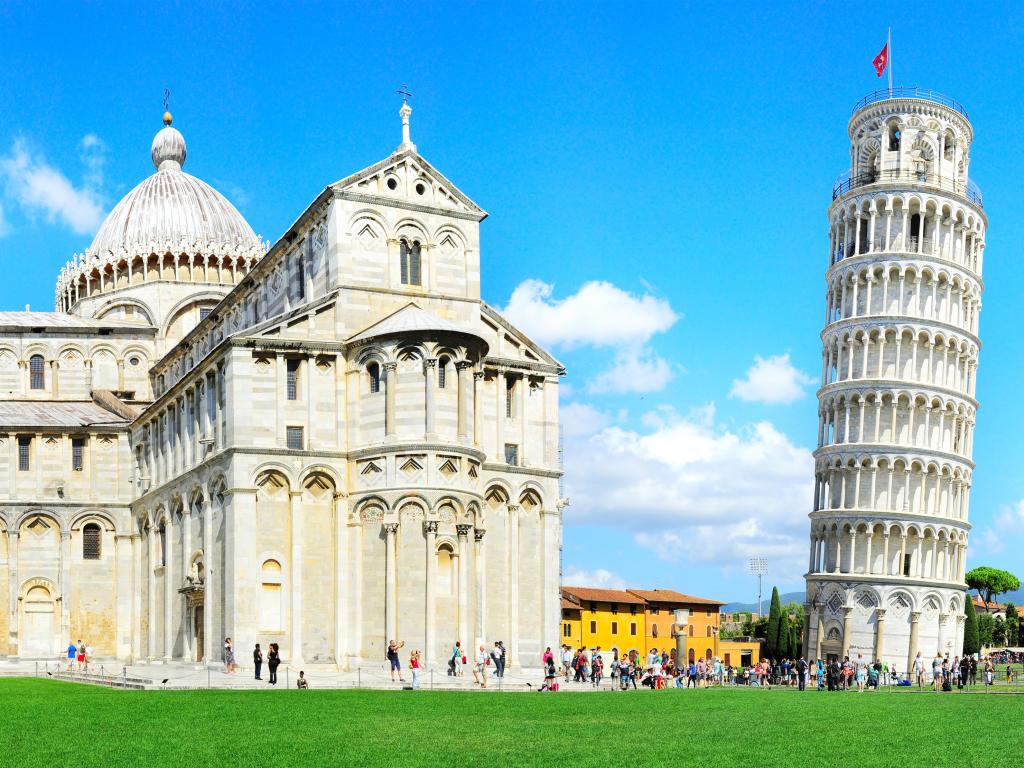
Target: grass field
(54,724)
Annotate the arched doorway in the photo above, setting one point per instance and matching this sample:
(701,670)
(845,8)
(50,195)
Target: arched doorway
(38,627)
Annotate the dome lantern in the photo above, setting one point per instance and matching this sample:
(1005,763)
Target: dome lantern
(168,151)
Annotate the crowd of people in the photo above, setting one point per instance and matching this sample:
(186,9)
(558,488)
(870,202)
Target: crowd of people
(79,656)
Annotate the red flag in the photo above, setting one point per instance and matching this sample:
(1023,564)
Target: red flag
(881,61)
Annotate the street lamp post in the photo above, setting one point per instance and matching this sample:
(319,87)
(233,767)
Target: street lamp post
(758,566)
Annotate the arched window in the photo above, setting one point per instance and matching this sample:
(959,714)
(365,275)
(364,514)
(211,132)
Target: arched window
(270,595)
(92,547)
(162,534)
(654,630)
(948,146)
(690,629)
(409,258)
(373,370)
(445,570)
(709,630)
(894,137)
(37,373)
(442,372)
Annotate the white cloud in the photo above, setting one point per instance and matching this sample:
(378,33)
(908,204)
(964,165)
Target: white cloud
(633,372)
(581,419)
(1007,524)
(771,380)
(599,578)
(93,154)
(696,490)
(39,187)
(599,314)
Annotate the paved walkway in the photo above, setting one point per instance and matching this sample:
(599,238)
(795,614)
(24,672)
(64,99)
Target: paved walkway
(176,675)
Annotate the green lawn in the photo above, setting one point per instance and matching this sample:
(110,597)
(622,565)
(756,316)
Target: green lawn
(53,724)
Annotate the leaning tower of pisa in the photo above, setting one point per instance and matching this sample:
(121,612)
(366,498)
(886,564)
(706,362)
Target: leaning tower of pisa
(896,411)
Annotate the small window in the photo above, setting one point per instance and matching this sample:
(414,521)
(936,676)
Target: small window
(409,257)
(91,542)
(392,184)
(632,610)
(37,375)
(654,611)
(204,312)
(615,608)
(293,379)
(690,627)
(615,627)
(708,631)
(654,630)
(442,372)
(907,559)
(403,257)
(294,435)
(24,454)
(300,278)
(593,627)
(632,628)
(420,188)
(373,370)
(567,630)
(593,606)
(162,534)
(510,397)
(133,360)
(77,454)
(512,454)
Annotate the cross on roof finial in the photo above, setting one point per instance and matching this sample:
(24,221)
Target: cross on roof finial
(404,113)
(167,101)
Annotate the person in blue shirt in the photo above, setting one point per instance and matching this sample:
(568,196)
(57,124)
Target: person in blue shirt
(72,652)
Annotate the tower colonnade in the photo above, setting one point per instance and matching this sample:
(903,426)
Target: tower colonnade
(897,407)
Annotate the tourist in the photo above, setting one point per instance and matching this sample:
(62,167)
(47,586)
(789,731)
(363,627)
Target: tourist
(273,662)
(974,671)
(88,656)
(302,683)
(257,660)
(499,662)
(566,661)
(72,654)
(480,670)
(549,675)
(414,665)
(546,656)
(965,671)
(937,673)
(458,659)
(820,667)
(229,656)
(918,670)
(81,655)
(691,675)
(990,671)
(801,673)
(861,673)
(872,676)
(392,656)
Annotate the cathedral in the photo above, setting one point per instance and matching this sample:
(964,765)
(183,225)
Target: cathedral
(327,443)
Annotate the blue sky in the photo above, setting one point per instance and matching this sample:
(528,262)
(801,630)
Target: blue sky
(667,167)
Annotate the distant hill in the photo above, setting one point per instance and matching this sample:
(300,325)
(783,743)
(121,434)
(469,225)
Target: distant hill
(788,597)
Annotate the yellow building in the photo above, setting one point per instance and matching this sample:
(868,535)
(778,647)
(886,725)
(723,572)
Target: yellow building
(641,620)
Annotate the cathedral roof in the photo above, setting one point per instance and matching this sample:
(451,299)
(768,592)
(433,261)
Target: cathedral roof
(50,413)
(60,320)
(411,319)
(173,207)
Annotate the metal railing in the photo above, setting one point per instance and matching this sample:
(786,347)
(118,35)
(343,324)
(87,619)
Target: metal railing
(846,182)
(911,92)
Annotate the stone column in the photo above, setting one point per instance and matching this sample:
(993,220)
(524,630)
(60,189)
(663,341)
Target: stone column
(478,379)
(168,589)
(500,398)
(209,596)
(481,593)
(524,400)
(342,588)
(463,370)
(390,619)
(151,546)
(430,384)
(295,499)
(915,620)
(12,591)
(463,533)
(879,632)
(390,385)
(847,629)
(513,583)
(430,532)
(943,618)
(186,556)
(807,629)
(65,583)
(819,634)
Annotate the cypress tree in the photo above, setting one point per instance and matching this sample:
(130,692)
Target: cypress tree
(1012,625)
(773,642)
(972,643)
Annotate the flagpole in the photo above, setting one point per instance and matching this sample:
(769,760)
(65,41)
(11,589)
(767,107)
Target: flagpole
(888,42)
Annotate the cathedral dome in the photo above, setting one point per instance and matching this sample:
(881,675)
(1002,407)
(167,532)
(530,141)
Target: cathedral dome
(173,211)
